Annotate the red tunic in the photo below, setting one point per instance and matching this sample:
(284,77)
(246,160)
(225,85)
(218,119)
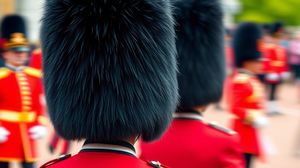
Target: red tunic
(36,59)
(102,155)
(189,142)
(245,101)
(276,61)
(20,109)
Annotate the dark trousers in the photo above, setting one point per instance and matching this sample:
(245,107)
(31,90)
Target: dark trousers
(248,160)
(272,91)
(24,165)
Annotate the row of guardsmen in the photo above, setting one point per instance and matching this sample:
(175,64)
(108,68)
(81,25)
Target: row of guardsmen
(118,71)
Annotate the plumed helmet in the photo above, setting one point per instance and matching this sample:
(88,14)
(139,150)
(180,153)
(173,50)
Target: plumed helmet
(200,47)
(109,67)
(246,43)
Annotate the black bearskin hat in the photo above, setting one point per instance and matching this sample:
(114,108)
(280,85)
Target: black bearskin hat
(266,28)
(200,47)
(13,33)
(13,24)
(276,29)
(246,43)
(109,68)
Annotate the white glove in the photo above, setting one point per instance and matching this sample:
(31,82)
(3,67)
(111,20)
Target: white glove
(4,133)
(37,132)
(260,122)
(273,77)
(285,75)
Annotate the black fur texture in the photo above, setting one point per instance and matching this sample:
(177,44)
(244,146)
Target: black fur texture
(13,24)
(200,47)
(245,43)
(109,68)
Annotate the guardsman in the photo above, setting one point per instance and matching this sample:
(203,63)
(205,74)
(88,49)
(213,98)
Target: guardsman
(55,143)
(245,92)
(190,141)
(21,110)
(110,77)
(275,66)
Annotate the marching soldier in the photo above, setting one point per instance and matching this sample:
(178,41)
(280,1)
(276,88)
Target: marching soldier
(245,92)
(110,77)
(21,111)
(275,66)
(190,141)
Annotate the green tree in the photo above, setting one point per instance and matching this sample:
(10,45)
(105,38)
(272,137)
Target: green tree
(266,11)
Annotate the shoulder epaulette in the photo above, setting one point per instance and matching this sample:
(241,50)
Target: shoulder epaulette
(241,78)
(156,164)
(54,161)
(4,72)
(221,128)
(37,51)
(33,72)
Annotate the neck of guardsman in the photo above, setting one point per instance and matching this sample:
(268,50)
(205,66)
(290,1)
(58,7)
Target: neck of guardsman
(14,67)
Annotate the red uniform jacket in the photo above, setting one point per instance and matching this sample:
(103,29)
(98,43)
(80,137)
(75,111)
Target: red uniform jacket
(102,155)
(276,60)
(36,59)
(191,143)
(245,101)
(20,109)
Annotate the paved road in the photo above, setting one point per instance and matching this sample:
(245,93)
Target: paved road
(282,131)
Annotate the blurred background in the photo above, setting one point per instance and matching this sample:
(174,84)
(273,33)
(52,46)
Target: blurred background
(283,130)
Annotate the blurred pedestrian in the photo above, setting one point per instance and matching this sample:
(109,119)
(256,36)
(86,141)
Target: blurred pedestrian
(22,118)
(245,92)
(110,77)
(190,141)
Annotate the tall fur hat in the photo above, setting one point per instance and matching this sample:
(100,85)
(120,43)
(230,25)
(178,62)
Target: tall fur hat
(245,43)
(109,68)
(13,24)
(200,47)
(276,29)
(13,34)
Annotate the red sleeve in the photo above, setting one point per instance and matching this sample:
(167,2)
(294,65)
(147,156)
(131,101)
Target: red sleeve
(240,91)
(232,156)
(36,60)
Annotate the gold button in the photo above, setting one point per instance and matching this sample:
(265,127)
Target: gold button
(25,93)
(26,98)
(25,88)
(20,74)
(26,108)
(24,102)
(23,83)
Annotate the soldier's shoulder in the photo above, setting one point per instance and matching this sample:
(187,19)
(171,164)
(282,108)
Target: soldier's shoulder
(52,163)
(221,129)
(155,164)
(37,51)
(4,72)
(241,78)
(33,72)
